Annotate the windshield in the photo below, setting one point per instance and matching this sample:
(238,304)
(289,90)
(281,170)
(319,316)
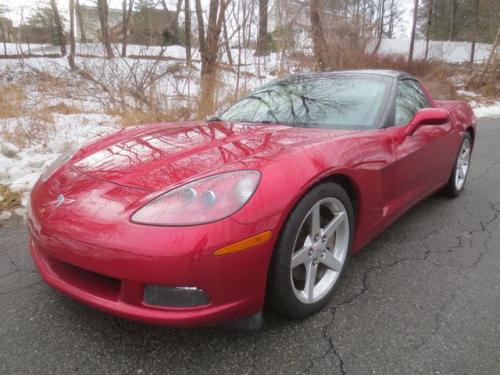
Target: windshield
(340,101)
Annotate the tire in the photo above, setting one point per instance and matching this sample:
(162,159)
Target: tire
(458,177)
(315,252)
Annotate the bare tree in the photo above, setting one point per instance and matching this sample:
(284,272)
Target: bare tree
(318,36)
(3,28)
(4,38)
(83,36)
(453,16)
(428,30)
(59,27)
(126,15)
(491,58)
(201,24)
(209,50)
(392,17)
(262,38)
(226,42)
(476,27)
(413,29)
(72,47)
(102,8)
(187,30)
(381,28)
(177,13)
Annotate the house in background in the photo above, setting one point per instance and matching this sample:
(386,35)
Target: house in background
(147,26)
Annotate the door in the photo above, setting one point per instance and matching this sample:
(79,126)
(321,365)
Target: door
(421,158)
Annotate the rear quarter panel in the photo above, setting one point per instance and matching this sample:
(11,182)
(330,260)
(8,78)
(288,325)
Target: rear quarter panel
(461,114)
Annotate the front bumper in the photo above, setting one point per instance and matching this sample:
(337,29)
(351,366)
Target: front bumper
(112,276)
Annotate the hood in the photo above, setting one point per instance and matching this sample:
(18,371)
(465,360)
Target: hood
(157,156)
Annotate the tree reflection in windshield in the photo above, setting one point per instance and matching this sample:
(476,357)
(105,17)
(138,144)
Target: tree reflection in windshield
(329,101)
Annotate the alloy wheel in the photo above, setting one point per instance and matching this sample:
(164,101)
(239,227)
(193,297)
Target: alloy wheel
(463,162)
(320,250)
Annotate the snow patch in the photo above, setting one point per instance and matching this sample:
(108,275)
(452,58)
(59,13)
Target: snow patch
(487,110)
(21,168)
(4,215)
(8,149)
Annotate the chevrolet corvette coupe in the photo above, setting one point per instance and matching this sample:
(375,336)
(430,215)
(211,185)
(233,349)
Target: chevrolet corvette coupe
(205,223)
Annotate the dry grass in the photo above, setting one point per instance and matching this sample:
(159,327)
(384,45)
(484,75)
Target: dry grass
(137,117)
(12,100)
(62,108)
(10,199)
(433,73)
(488,88)
(28,132)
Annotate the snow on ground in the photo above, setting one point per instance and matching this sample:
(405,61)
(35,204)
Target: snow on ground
(491,110)
(20,167)
(448,51)
(19,48)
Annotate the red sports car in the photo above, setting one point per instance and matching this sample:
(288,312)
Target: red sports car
(203,223)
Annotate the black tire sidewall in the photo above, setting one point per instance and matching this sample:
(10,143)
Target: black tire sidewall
(280,294)
(451,188)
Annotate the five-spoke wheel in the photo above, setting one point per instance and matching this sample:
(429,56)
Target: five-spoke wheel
(312,251)
(461,168)
(320,250)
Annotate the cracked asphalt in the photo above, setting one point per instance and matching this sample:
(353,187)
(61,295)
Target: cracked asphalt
(424,297)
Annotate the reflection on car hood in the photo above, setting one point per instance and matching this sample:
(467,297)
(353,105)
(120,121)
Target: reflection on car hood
(157,156)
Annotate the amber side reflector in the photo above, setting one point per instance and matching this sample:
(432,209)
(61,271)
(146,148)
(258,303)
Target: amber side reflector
(244,244)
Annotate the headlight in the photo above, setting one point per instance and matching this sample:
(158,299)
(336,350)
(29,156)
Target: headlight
(59,162)
(202,201)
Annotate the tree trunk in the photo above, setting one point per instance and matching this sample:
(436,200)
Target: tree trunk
(72,47)
(491,57)
(177,12)
(209,55)
(83,36)
(226,43)
(381,29)
(262,38)
(187,31)
(453,15)
(59,27)
(4,37)
(476,27)
(391,21)
(318,36)
(427,32)
(201,25)
(102,8)
(126,15)
(413,29)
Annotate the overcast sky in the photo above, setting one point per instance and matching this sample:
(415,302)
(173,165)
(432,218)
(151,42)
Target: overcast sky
(25,6)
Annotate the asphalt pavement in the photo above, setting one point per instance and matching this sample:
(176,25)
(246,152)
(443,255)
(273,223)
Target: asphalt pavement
(423,298)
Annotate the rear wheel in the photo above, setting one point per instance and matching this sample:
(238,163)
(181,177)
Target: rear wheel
(458,177)
(312,252)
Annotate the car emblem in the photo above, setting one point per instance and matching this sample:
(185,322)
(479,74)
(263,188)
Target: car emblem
(61,199)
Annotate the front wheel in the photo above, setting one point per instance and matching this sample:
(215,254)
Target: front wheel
(312,251)
(456,183)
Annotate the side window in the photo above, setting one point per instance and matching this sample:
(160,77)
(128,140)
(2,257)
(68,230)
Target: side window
(409,99)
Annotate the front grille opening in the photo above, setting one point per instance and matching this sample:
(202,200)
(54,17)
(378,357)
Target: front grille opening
(93,283)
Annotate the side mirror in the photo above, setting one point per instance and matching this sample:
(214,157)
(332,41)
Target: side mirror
(427,116)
